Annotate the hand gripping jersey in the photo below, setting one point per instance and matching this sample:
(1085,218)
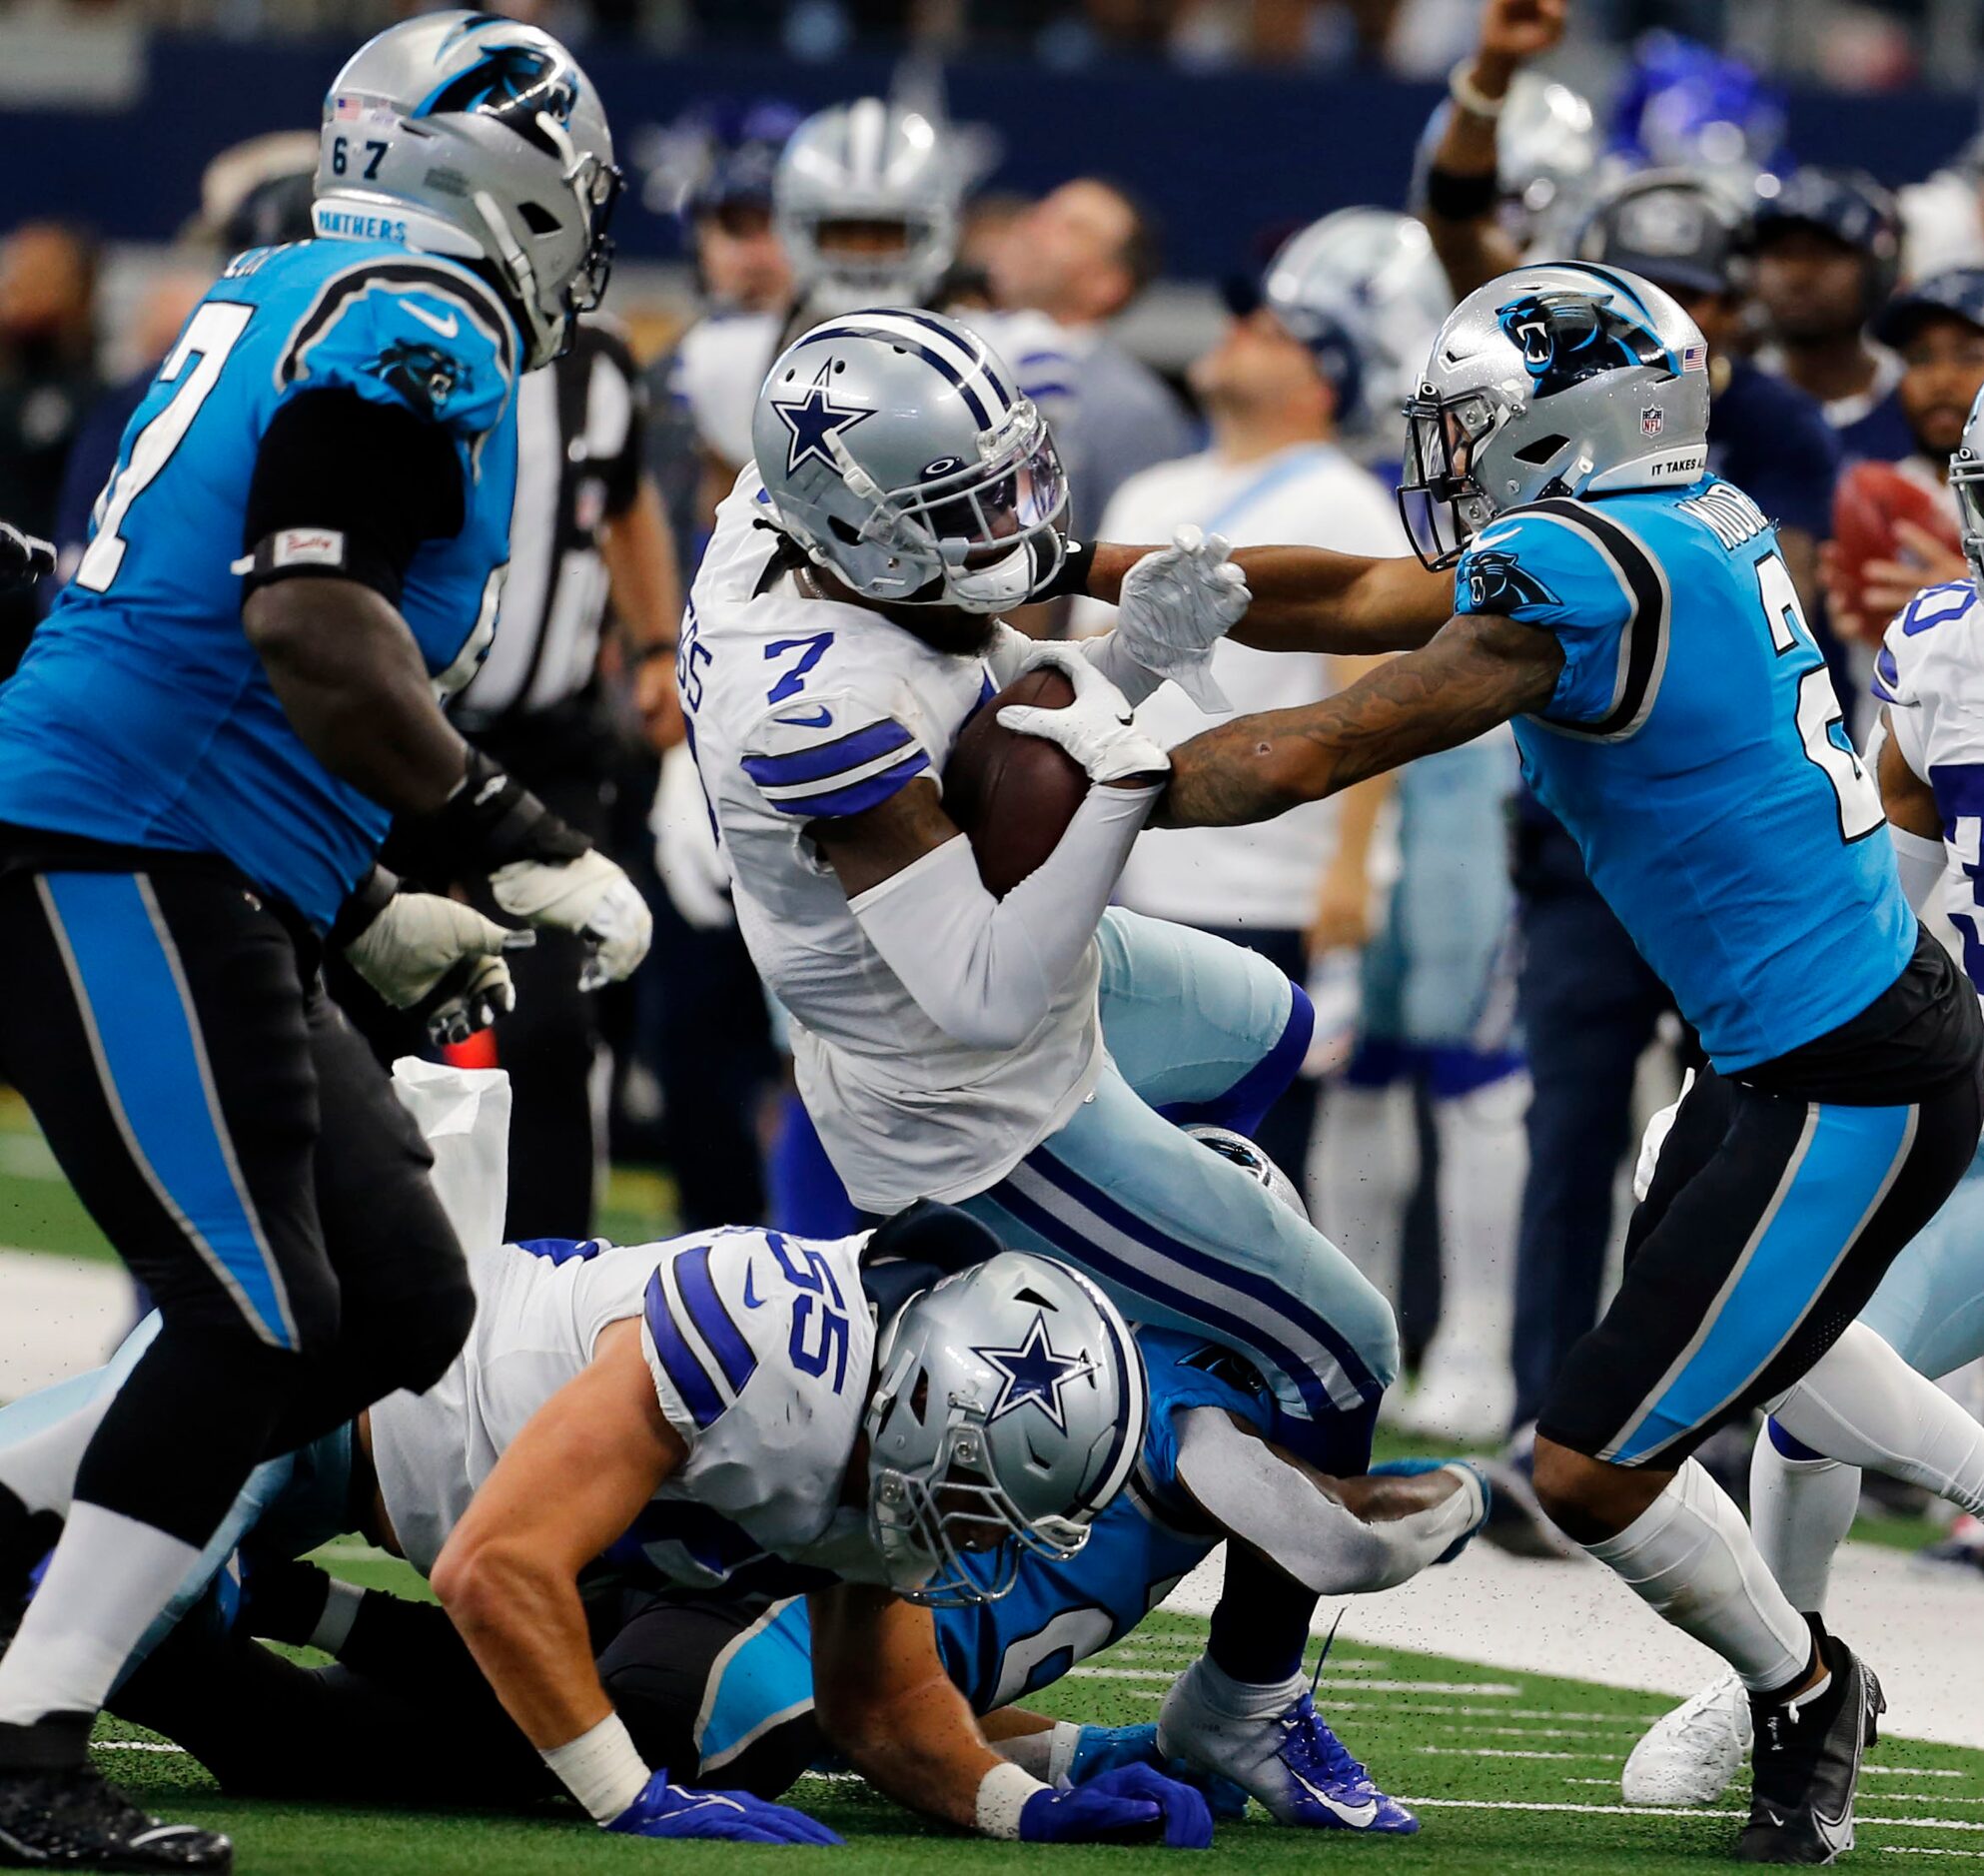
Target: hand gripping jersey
(762,1350)
(1056,1614)
(141,714)
(805,709)
(1694,750)
(1930,674)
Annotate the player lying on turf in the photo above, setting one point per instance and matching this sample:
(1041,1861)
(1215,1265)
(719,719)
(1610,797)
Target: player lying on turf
(524,1389)
(1631,616)
(725,1689)
(1929,759)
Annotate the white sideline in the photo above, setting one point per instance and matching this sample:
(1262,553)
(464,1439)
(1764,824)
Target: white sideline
(1922,1630)
(58,1316)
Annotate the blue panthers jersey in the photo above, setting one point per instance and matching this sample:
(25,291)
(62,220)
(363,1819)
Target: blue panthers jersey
(141,714)
(1694,749)
(1056,1614)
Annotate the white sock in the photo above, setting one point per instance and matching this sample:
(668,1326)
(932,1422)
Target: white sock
(107,1580)
(1861,1402)
(1217,1691)
(43,1436)
(1690,1556)
(1800,1512)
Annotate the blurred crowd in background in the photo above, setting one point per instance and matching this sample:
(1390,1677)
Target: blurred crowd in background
(1489,1038)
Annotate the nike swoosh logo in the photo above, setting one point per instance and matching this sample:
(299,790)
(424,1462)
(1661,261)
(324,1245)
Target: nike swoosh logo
(1357,1816)
(1491,540)
(751,1301)
(819,719)
(446,327)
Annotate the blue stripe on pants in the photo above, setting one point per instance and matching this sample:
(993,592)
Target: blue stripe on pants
(153,1063)
(1843,1168)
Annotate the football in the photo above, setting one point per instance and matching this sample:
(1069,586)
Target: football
(1013,795)
(1867,502)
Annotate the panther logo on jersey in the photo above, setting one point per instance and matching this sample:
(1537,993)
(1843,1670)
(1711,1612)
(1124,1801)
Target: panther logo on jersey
(425,376)
(1496,583)
(1568,336)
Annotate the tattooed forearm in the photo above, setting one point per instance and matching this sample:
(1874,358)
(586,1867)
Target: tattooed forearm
(1480,670)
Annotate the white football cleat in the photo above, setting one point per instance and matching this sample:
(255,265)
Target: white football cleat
(1689,1756)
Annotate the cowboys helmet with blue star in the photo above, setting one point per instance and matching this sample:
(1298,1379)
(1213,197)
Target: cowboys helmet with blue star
(1009,1410)
(898,452)
(472,135)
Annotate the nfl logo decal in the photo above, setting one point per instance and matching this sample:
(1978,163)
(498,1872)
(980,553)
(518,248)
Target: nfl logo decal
(1652,420)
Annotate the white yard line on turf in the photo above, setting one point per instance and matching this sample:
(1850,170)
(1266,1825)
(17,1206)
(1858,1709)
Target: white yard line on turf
(62,1315)
(1659,1810)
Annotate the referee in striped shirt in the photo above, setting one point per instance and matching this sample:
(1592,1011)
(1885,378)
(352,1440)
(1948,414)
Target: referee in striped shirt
(589,543)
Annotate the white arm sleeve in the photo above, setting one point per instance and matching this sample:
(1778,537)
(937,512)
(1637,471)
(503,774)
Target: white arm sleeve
(986,970)
(1286,1516)
(1921,862)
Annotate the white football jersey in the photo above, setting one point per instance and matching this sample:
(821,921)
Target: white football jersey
(1929,671)
(762,1351)
(1265,876)
(804,709)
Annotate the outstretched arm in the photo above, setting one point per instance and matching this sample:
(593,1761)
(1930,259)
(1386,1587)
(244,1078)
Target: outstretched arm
(1314,599)
(1480,670)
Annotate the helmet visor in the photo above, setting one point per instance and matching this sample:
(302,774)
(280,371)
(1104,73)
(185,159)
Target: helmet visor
(597,186)
(1440,500)
(976,512)
(1967,484)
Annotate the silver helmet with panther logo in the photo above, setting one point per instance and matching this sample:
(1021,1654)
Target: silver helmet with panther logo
(469,135)
(1560,379)
(897,451)
(1010,1408)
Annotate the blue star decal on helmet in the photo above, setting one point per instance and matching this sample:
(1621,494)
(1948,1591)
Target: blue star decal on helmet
(1033,1371)
(813,419)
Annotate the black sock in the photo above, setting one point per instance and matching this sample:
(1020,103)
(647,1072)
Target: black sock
(1260,1625)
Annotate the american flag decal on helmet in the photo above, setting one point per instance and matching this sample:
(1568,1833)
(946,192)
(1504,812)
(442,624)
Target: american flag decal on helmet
(1694,358)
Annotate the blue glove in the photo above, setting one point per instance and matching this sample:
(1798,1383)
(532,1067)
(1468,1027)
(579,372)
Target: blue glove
(665,1810)
(1100,1749)
(1131,1803)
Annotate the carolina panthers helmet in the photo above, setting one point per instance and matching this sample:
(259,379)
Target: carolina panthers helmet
(1560,379)
(1252,1159)
(469,135)
(1010,1408)
(897,451)
(1363,291)
(873,162)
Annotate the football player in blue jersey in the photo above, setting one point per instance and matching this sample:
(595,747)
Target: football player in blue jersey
(301,543)
(1633,617)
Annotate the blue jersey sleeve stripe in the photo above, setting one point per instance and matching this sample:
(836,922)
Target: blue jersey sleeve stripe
(824,760)
(858,796)
(685,1374)
(559,1250)
(720,1336)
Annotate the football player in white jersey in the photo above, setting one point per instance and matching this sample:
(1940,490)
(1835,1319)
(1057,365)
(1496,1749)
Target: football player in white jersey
(721,1413)
(1928,750)
(1023,1057)
(866,199)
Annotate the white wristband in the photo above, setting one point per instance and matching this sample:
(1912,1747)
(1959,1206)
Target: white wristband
(1046,1754)
(1002,1795)
(601,1769)
(1461,87)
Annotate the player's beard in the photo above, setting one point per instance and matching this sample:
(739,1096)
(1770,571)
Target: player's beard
(945,629)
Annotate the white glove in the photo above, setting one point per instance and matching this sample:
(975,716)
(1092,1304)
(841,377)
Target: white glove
(441,957)
(686,853)
(590,897)
(1176,604)
(1097,729)
(1654,1138)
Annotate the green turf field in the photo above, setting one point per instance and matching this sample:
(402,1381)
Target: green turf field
(1511,1772)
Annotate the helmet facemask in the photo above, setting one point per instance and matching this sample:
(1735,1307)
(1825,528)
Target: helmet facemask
(950,1536)
(1967,484)
(1441,497)
(979,536)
